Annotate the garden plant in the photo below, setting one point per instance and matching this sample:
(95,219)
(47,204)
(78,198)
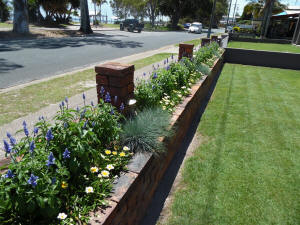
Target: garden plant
(60,173)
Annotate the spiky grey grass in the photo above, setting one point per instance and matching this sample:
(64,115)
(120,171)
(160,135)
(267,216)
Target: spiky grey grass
(143,131)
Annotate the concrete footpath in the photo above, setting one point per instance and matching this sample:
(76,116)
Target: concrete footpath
(91,95)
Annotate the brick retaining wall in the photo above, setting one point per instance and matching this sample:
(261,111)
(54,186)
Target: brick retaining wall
(133,191)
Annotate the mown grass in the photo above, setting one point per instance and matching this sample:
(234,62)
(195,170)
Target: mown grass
(265,46)
(6,25)
(247,172)
(18,103)
(110,25)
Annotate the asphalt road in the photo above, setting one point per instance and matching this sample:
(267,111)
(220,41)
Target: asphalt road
(22,61)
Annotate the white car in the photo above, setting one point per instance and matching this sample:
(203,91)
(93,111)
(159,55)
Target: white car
(195,28)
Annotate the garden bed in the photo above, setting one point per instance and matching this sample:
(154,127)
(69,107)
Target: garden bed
(134,190)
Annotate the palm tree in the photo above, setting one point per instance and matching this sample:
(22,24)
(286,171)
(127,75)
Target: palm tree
(99,3)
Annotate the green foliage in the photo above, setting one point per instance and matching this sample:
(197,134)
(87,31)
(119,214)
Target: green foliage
(139,134)
(67,158)
(4,10)
(169,86)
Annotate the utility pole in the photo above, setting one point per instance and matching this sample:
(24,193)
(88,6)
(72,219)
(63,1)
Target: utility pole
(228,15)
(211,19)
(234,12)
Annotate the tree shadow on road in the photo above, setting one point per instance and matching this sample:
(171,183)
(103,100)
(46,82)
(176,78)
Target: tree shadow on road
(5,66)
(55,43)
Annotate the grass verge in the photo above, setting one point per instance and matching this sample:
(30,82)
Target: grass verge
(265,46)
(6,25)
(247,172)
(18,103)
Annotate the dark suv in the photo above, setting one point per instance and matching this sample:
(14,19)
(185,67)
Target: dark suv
(131,25)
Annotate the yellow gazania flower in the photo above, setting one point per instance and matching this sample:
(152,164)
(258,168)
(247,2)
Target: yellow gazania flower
(114,153)
(64,185)
(105,173)
(94,169)
(122,154)
(107,152)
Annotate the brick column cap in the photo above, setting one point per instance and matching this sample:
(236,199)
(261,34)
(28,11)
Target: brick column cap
(114,69)
(183,45)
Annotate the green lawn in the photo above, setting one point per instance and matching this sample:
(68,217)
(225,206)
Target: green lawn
(17,103)
(248,170)
(5,25)
(265,46)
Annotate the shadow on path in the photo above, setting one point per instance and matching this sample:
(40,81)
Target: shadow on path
(55,43)
(153,212)
(6,66)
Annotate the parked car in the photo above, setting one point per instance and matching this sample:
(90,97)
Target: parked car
(186,25)
(131,25)
(196,27)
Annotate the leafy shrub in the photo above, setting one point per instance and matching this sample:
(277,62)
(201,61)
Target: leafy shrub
(65,169)
(141,135)
(170,85)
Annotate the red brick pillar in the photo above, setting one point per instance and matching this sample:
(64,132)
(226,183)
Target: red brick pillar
(116,81)
(214,38)
(185,50)
(205,41)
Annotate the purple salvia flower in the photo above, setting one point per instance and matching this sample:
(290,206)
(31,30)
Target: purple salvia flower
(102,90)
(49,135)
(85,124)
(155,76)
(25,129)
(35,130)
(12,140)
(7,147)
(107,97)
(92,103)
(144,74)
(83,96)
(50,160)
(172,56)
(60,106)
(93,123)
(63,104)
(9,174)
(66,154)
(122,107)
(31,147)
(33,180)
(157,65)
(77,109)
(67,100)
(66,125)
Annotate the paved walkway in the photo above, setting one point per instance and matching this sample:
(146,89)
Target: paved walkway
(50,111)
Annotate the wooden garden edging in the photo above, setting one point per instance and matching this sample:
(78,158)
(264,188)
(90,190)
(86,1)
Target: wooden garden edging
(133,191)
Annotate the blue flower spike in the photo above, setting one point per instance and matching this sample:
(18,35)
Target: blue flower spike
(7,147)
(50,160)
(26,132)
(122,107)
(35,130)
(31,147)
(33,180)
(66,154)
(155,76)
(49,135)
(9,174)
(107,98)
(12,140)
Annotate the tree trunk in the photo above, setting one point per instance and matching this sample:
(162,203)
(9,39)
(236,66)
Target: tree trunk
(270,10)
(20,17)
(174,20)
(85,25)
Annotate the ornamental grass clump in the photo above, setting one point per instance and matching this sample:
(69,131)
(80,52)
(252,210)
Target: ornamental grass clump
(61,172)
(142,132)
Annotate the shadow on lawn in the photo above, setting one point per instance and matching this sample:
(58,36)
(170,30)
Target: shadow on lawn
(153,212)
